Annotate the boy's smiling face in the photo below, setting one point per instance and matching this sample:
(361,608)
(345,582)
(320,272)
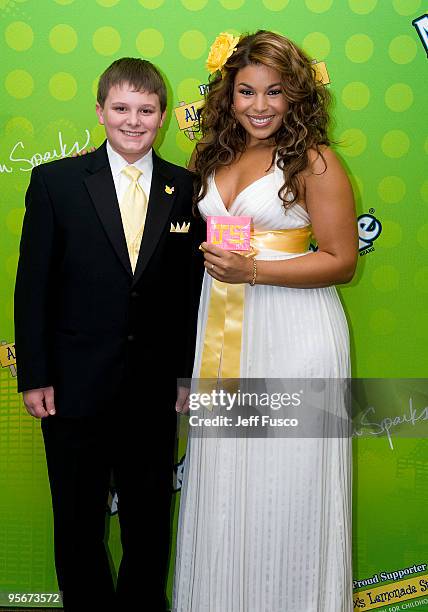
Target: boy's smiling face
(131,120)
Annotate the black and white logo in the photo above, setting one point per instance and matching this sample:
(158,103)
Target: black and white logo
(369,229)
(421,25)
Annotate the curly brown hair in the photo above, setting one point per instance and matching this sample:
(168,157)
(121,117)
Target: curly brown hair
(304,125)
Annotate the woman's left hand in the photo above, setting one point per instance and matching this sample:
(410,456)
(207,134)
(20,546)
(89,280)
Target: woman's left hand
(84,152)
(226,266)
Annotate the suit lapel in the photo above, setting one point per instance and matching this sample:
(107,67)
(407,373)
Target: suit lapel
(100,185)
(158,212)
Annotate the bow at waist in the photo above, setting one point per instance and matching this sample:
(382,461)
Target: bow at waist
(286,240)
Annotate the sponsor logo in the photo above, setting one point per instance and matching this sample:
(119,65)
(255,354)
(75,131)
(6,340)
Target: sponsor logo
(25,162)
(405,587)
(421,25)
(321,72)
(187,114)
(7,356)
(369,229)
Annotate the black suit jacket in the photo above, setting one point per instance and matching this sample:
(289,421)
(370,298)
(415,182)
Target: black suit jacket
(83,321)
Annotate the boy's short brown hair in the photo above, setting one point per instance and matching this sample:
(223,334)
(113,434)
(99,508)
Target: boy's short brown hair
(139,73)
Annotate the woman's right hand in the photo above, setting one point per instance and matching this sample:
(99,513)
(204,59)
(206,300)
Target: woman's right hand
(226,266)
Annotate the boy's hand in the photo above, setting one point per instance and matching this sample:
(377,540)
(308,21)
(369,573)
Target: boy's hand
(182,403)
(40,402)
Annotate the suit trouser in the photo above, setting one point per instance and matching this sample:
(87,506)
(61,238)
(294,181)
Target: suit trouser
(138,449)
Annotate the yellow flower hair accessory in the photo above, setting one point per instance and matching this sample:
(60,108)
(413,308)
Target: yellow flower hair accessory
(221,49)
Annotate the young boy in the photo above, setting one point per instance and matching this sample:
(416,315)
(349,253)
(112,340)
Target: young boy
(105,310)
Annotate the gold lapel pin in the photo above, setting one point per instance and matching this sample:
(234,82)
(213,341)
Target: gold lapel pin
(169,190)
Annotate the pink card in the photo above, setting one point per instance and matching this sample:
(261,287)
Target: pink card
(229,233)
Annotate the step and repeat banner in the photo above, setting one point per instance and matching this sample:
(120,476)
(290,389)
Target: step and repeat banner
(372,54)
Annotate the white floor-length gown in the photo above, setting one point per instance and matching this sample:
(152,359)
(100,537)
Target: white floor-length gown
(265,524)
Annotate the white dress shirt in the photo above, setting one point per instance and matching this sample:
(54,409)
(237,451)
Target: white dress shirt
(121,181)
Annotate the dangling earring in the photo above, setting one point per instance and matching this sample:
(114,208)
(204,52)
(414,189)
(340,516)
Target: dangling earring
(233,119)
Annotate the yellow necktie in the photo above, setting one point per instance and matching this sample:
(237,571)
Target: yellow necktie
(133,209)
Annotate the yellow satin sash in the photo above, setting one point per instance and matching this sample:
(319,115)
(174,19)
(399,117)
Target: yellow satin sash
(221,354)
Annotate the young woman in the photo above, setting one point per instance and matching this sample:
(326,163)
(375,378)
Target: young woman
(265,524)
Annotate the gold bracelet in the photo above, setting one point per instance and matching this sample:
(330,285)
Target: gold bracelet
(253,280)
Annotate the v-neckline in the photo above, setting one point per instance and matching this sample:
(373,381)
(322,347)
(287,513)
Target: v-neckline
(241,192)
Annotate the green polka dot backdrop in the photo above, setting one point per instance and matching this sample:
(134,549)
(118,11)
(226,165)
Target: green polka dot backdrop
(375,55)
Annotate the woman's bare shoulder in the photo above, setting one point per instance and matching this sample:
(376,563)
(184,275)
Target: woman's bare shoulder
(323,165)
(321,160)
